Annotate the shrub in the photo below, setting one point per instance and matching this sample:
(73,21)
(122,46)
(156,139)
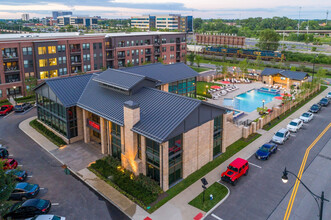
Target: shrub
(26,98)
(47,133)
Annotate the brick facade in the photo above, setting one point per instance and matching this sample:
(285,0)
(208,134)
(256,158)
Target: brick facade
(217,39)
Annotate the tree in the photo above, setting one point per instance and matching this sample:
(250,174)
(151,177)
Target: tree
(293,68)
(198,60)
(197,23)
(31,83)
(191,58)
(268,40)
(224,70)
(243,66)
(258,61)
(7,185)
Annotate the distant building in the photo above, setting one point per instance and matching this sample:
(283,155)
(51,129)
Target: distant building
(56,14)
(220,39)
(25,17)
(77,21)
(170,22)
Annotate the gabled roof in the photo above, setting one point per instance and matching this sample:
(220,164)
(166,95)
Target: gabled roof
(68,89)
(119,79)
(287,73)
(164,73)
(160,112)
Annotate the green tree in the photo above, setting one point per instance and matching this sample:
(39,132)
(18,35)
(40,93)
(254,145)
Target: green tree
(198,60)
(7,185)
(197,23)
(258,61)
(31,83)
(191,58)
(243,66)
(224,70)
(268,40)
(293,68)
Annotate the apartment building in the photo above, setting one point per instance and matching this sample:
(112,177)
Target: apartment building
(77,21)
(25,17)
(45,56)
(56,14)
(170,22)
(161,134)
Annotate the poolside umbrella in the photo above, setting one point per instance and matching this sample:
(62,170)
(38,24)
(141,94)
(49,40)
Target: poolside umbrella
(225,82)
(279,97)
(285,94)
(215,87)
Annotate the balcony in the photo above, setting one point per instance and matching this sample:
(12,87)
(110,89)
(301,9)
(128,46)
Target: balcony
(156,52)
(109,57)
(76,63)
(121,56)
(177,41)
(109,48)
(10,56)
(156,43)
(75,51)
(12,69)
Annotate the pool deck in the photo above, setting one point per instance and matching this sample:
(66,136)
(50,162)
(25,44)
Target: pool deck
(242,89)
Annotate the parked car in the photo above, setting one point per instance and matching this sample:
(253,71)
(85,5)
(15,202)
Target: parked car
(235,170)
(5,109)
(265,151)
(3,153)
(29,208)
(47,217)
(307,117)
(24,191)
(22,107)
(324,102)
(20,175)
(328,95)
(295,125)
(9,164)
(315,108)
(281,136)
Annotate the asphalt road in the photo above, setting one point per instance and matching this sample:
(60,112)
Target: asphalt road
(69,197)
(257,195)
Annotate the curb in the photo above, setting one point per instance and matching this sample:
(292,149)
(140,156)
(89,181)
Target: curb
(220,202)
(76,175)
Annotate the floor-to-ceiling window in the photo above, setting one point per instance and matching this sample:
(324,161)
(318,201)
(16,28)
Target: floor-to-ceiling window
(218,127)
(175,159)
(186,87)
(115,133)
(153,160)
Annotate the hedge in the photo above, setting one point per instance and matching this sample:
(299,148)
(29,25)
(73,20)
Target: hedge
(26,98)
(140,189)
(4,102)
(47,133)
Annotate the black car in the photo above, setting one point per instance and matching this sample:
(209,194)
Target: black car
(22,107)
(3,153)
(20,175)
(324,102)
(315,108)
(24,191)
(29,208)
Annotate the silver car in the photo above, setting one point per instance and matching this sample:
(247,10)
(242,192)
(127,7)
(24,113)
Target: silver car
(281,136)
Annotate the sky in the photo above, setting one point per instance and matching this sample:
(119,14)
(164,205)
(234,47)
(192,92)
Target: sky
(226,9)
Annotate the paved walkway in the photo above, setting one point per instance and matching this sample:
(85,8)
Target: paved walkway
(177,207)
(77,157)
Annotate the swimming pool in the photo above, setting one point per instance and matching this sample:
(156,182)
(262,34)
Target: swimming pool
(269,90)
(250,100)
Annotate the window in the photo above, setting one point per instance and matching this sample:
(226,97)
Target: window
(127,43)
(137,52)
(60,72)
(65,72)
(141,42)
(115,133)
(0,93)
(100,46)
(137,42)
(164,49)
(139,146)
(29,50)
(44,75)
(43,62)
(95,56)
(84,57)
(137,61)
(60,60)
(51,49)
(141,51)
(63,48)
(59,49)
(88,57)
(100,55)
(217,141)
(53,73)
(25,51)
(52,62)
(172,48)
(172,40)
(132,61)
(95,46)
(64,60)
(164,57)
(153,160)
(95,66)
(132,43)
(164,41)
(41,50)
(128,53)
(175,159)
(132,52)
(26,64)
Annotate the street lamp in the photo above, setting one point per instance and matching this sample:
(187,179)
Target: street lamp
(14,87)
(312,81)
(206,89)
(316,197)
(263,101)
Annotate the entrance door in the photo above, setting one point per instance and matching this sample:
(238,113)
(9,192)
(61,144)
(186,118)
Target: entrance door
(153,173)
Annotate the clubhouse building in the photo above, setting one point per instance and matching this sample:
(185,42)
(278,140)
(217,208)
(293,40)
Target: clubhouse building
(146,116)
(284,78)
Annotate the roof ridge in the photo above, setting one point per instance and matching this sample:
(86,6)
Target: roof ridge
(134,74)
(149,64)
(67,77)
(84,89)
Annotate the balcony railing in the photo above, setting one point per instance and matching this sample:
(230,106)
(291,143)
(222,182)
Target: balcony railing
(10,56)
(12,69)
(120,56)
(76,62)
(109,57)
(75,50)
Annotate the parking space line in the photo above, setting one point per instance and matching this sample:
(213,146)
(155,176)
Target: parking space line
(278,149)
(41,188)
(254,165)
(8,114)
(55,204)
(215,216)
(20,165)
(29,176)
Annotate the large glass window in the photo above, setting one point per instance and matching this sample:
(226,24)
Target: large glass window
(153,160)
(43,62)
(41,50)
(51,49)
(185,87)
(175,159)
(44,75)
(116,140)
(139,146)
(217,140)
(53,73)
(52,62)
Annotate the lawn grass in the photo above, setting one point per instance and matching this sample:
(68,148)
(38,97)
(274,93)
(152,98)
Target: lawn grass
(202,90)
(199,69)
(217,190)
(276,121)
(230,151)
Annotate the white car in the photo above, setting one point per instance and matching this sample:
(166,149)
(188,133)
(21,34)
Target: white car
(295,125)
(46,217)
(307,117)
(328,95)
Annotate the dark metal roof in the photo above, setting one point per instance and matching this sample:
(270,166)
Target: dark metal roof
(160,112)
(164,73)
(69,89)
(287,73)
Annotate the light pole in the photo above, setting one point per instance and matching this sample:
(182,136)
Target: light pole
(263,101)
(14,87)
(206,89)
(316,197)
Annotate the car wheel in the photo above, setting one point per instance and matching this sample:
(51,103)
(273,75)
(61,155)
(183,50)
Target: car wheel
(267,158)
(246,172)
(234,182)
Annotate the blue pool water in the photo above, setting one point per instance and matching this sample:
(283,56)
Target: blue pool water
(250,100)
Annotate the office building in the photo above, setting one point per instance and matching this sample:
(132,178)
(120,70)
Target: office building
(25,17)
(77,21)
(56,14)
(63,54)
(129,116)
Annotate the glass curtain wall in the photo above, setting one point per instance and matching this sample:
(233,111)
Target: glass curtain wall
(115,134)
(185,87)
(175,159)
(218,128)
(153,160)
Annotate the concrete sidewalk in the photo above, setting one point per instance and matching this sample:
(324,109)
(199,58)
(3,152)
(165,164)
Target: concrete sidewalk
(178,207)
(78,167)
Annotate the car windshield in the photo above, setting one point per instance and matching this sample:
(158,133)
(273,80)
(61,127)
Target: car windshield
(305,115)
(3,108)
(233,168)
(293,123)
(18,106)
(29,187)
(324,100)
(264,149)
(314,107)
(41,203)
(279,134)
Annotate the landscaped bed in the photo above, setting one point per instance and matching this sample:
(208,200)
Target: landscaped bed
(202,90)
(47,133)
(218,191)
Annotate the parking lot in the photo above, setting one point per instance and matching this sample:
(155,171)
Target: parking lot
(259,194)
(69,197)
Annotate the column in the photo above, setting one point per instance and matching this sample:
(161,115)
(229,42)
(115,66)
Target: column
(103,134)
(87,137)
(164,165)
(143,155)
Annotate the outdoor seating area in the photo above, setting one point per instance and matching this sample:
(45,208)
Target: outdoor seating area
(233,80)
(218,91)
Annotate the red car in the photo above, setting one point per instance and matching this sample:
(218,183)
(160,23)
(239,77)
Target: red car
(235,170)
(9,164)
(5,109)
